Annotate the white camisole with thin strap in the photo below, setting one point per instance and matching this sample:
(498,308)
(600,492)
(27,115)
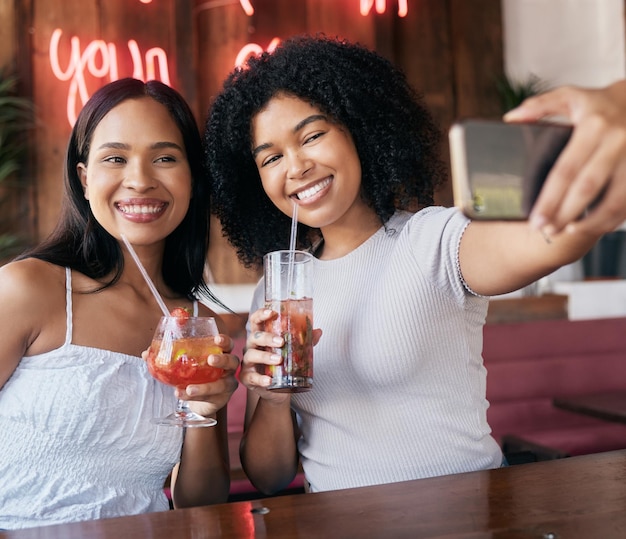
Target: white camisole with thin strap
(76,441)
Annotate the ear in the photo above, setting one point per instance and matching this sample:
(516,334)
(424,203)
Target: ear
(81,170)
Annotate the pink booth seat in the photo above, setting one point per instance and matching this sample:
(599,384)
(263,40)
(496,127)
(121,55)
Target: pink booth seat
(528,364)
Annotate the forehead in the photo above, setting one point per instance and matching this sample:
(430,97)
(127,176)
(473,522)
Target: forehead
(137,120)
(282,112)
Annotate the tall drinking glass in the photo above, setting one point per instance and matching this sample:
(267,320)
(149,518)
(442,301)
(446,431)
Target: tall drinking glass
(178,357)
(289,292)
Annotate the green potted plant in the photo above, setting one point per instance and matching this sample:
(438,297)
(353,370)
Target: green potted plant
(513,92)
(16,118)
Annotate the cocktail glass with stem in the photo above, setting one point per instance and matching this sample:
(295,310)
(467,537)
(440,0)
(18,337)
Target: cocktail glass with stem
(178,356)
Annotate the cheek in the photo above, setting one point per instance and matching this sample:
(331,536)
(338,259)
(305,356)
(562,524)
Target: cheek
(274,189)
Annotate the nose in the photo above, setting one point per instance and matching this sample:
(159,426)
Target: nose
(298,164)
(139,177)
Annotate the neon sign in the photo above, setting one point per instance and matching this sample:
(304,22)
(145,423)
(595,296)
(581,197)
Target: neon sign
(100,60)
(253,48)
(381,6)
(365,6)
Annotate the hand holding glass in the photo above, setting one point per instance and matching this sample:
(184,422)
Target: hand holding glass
(178,356)
(288,291)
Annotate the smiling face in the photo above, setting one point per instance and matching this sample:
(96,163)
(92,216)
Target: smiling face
(303,157)
(137,178)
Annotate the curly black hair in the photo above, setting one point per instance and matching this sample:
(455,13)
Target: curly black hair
(395,135)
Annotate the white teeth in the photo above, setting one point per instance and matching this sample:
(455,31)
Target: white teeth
(136,208)
(312,190)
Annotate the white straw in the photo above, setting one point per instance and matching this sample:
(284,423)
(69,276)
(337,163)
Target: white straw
(292,247)
(294,226)
(143,271)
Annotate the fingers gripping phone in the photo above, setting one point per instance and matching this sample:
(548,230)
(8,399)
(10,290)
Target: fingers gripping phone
(498,168)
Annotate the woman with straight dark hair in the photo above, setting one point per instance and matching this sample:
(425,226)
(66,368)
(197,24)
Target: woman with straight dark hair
(76,398)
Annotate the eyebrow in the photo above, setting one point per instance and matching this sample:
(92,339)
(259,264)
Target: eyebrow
(299,125)
(123,146)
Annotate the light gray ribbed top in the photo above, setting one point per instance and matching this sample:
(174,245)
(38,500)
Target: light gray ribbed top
(399,382)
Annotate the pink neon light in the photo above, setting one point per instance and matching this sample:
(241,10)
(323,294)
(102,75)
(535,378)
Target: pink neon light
(252,49)
(100,60)
(247,7)
(381,6)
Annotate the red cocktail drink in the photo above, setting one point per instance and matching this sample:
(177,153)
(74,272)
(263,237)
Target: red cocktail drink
(183,361)
(295,324)
(178,356)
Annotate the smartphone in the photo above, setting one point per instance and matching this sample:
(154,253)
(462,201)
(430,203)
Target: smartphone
(498,168)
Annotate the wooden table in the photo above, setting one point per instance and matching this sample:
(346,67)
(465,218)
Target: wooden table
(579,497)
(610,406)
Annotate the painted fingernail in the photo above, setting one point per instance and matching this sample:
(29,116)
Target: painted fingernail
(536,221)
(278,341)
(276,358)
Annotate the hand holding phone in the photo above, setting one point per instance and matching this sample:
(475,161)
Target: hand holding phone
(498,168)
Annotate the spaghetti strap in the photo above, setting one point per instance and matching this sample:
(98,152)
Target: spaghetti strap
(68,305)
(195,307)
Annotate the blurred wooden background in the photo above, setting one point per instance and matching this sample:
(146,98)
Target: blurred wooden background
(451,50)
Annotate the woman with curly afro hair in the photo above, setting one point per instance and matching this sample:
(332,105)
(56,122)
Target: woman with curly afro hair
(401,285)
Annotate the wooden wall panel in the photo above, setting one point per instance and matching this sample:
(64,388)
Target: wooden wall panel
(477,56)
(421,45)
(451,50)
(78,19)
(8,35)
(341,18)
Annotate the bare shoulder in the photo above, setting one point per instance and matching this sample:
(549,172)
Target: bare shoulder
(32,282)
(31,294)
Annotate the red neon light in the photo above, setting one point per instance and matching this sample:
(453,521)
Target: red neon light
(381,6)
(247,7)
(252,48)
(100,60)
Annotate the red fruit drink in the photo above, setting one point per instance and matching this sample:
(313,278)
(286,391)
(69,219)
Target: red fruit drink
(295,324)
(181,362)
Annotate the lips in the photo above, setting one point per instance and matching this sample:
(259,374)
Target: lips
(313,190)
(141,210)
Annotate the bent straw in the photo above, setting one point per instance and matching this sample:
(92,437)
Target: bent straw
(143,271)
